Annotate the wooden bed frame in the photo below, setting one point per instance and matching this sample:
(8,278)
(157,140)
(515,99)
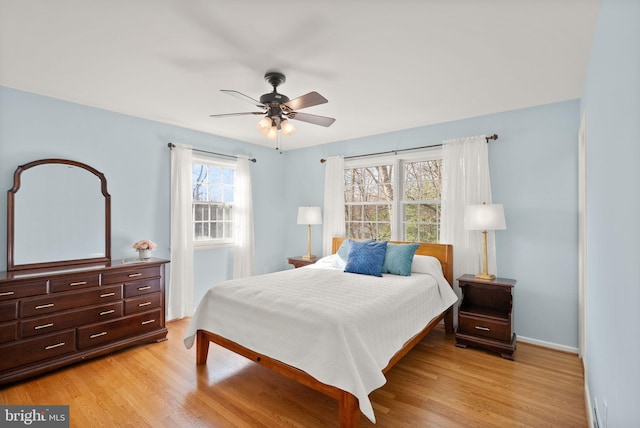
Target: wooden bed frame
(348,409)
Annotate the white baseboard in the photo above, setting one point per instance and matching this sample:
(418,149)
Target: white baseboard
(551,345)
(587,403)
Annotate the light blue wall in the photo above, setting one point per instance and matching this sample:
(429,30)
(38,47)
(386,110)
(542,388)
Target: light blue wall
(611,104)
(533,168)
(534,174)
(133,155)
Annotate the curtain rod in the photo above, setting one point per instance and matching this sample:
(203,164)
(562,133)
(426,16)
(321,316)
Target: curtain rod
(491,137)
(171,146)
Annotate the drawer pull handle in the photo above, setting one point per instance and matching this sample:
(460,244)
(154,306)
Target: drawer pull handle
(48,305)
(107,294)
(144,304)
(482,328)
(72,284)
(38,327)
(147,322)
(133,275)
(57,345)
(107,312)
(93,336)
(147,287)
(7,293)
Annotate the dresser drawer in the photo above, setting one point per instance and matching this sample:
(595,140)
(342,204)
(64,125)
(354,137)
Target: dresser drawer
(484,327)
(74,282)
(21,353)
(18,290)
(8,311)
(8,332)
(142,304)
(129,275)
(63,301)
(69,319)
(132,289)
(122,328)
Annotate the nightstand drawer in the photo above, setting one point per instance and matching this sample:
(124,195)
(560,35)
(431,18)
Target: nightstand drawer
(484,327)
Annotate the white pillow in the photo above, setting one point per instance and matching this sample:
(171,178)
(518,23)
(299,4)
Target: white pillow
(426,264)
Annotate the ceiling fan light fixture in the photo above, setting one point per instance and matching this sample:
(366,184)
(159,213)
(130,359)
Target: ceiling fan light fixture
(287,127)
(264,125)
(272,134)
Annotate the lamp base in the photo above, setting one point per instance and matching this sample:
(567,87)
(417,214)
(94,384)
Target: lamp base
(309,257)
(485,276)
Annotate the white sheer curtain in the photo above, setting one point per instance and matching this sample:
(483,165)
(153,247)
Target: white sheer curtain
(243,220)
(180,300)
(465,181)
(333,221)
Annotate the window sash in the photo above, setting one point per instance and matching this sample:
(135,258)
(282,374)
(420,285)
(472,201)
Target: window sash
(212,210)
(398,227)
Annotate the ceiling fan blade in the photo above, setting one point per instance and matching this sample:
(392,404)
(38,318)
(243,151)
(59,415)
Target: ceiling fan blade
(237,114)
(243,97)
(312,118)
(306,100)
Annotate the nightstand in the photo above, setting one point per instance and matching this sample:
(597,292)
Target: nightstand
(299,261)
(485,315)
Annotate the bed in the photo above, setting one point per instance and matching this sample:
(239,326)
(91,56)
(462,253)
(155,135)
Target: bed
(334,331)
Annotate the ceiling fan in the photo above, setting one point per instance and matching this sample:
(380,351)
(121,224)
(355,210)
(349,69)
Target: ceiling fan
(277,108)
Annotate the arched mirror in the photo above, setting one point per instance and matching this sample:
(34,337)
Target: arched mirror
(58,214)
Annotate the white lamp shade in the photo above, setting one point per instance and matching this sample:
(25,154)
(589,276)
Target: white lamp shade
(484,217)
(309,215)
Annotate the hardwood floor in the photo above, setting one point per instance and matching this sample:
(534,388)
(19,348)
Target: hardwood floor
(435,385)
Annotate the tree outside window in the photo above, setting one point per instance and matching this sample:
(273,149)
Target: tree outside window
(373,209)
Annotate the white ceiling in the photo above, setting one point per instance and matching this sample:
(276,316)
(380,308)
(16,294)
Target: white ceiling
(383,65)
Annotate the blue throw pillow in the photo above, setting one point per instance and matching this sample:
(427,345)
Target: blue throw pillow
(398,259)
(366,257)
(343,253)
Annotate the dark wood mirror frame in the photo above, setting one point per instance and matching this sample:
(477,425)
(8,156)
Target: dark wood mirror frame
(11,265)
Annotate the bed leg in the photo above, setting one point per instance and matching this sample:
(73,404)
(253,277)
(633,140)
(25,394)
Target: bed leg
(348,410)
(448,321)
(202,348)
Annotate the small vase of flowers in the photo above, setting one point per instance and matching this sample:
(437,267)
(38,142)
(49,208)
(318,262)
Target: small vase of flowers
(144,248)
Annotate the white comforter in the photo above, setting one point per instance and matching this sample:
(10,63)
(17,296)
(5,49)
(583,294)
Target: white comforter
(341,328)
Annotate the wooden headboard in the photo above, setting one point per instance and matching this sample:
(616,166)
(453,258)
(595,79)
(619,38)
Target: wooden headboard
(442,252)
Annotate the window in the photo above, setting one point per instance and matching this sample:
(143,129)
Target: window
(368,201)
(422,185)
(212,201)
(394,199)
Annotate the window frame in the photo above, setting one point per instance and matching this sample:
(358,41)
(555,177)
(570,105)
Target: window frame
(397,161)
(211,243)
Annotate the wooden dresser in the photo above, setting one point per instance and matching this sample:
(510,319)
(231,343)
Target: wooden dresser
(53,318)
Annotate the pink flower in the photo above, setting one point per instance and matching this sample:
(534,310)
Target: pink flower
(145,244)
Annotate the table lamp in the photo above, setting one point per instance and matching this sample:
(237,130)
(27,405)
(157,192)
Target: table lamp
(484,217)
(309,216)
